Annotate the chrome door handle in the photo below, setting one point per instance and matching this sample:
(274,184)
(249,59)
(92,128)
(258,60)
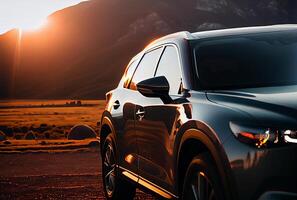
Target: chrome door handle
(139,112)
(116,104)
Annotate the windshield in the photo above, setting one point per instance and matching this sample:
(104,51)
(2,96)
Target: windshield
(246,61)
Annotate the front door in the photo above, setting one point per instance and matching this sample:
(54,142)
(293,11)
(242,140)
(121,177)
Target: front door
(125,114)
(156,124)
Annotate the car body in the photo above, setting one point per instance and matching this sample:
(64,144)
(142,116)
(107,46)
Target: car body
(245,123)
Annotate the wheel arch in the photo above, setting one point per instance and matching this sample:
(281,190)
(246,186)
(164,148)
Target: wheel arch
(197,138)
(106,128)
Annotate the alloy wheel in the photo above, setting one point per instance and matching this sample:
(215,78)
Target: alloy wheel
(200,188)
(109,170)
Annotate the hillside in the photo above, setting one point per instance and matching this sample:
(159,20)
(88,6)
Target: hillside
(84,49)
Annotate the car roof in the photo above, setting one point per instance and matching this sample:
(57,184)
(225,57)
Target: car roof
(219,33)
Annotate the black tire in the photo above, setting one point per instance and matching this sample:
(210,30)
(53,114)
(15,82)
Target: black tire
(115,188)
(202,181)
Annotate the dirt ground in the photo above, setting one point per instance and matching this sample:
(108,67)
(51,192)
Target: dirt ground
(63,175)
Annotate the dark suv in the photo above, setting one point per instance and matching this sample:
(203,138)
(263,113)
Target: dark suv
(204,116)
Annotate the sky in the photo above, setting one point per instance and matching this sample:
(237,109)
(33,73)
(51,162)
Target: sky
(29,15)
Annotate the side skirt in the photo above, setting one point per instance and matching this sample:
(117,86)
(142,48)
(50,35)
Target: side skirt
(147,184)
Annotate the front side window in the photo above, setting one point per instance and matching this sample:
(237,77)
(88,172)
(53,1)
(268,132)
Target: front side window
(258,60)
(170,68)
(146,67)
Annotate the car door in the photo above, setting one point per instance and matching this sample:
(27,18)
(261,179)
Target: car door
(128,155)
(122,113)
(156,124)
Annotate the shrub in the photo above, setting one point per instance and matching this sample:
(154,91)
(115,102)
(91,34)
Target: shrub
(43,125)
(17,130)
(7,130)
(47,134)
(30,136)
(18,137)
(24,129)
(94,144)
(2,136)
(41,129)
(6,142)
(81,132)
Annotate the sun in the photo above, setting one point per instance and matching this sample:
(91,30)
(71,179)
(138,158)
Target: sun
(30,24)
(29,15)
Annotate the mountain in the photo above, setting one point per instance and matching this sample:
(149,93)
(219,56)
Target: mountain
(7,56)
(83,50)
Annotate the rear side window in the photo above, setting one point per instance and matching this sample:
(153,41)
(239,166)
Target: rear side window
(169,67)
(128,74)
(146,67)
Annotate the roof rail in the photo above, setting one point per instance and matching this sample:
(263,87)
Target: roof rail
(181,34)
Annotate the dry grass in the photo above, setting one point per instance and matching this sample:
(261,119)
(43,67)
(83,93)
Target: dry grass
(30,103)
(51,118)
(26,115)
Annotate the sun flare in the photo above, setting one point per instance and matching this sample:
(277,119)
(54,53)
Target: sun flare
(29,15)
(31,25)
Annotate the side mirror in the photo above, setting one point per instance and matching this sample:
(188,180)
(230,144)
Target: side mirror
(155,87)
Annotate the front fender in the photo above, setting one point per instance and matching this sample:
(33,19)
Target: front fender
(201,132)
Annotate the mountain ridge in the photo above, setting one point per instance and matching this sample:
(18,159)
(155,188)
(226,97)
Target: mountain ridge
(84,49)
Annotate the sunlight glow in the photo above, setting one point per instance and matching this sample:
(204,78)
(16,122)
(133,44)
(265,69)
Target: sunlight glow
(31,24)
(29,15)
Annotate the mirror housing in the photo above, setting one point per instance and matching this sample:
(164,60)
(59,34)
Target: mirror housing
(155,87)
